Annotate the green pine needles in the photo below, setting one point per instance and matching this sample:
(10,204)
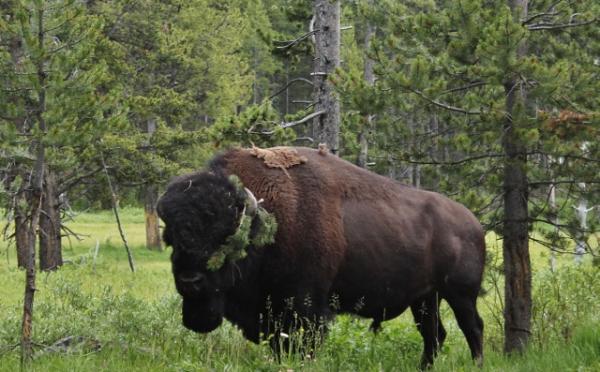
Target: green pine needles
(235,247)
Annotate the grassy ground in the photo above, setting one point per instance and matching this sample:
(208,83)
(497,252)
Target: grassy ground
(131,321)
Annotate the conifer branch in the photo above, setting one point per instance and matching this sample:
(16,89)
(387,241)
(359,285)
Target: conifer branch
(444,105)
(67,45)
(456,162)
(554,249)
(60,25)
(75,180)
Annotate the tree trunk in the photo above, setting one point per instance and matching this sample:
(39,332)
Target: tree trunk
(415,169)
(582,212)
(554,209)
(517,265)
(150,198)
(370,79)
(14,45)
(35,202)
(326,127)
(50,223)
(153,241)
(21,231)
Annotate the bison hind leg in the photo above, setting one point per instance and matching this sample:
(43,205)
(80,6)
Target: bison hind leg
(469,321)
(427,318)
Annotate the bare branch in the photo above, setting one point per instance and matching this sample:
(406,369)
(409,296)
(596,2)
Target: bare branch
(538,15)
(289,124)
(304,119)
(550,12)
(465,87)
(290,43)
(76,179)
(300,79)
(444,105)
(70,233)
(116,212)
(569,182)
(558,26)
(548,222)
(309,139)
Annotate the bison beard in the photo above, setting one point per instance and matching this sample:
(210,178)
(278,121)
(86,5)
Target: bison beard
(348,241)
(202,314)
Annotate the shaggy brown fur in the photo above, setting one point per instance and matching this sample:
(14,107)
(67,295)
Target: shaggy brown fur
(348,241)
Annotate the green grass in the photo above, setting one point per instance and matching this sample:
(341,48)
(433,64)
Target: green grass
(135,318)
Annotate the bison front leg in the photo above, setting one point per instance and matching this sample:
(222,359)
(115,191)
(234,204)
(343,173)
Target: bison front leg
(300,326)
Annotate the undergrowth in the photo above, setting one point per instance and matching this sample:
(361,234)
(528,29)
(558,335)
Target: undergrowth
(94,314)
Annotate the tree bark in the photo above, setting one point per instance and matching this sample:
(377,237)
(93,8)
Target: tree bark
(326,127)
(153,241)
(50,223)
(582,212)
(554,209)
(36,200)
(150,191)
(369,76)
(20,202)
(21,231)
(517,265)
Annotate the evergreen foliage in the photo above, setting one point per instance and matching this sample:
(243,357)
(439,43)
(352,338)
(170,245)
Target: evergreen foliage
(440,98)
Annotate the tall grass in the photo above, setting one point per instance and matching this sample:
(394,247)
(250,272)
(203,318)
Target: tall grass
(120,320)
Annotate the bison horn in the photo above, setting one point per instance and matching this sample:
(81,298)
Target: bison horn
(252,203)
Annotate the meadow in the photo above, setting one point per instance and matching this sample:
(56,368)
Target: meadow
(94,314)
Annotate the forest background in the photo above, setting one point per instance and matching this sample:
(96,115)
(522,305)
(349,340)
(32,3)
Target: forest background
(494,103)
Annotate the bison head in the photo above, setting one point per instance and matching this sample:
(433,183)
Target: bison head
(201,212)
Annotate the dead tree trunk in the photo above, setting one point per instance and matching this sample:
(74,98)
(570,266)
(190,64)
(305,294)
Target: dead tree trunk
(50,225)
(326,127)
(153,241)
(369,76)
(517,264)
(150,191)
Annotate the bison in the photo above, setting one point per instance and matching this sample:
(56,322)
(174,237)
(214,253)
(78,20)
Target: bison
(347,241)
